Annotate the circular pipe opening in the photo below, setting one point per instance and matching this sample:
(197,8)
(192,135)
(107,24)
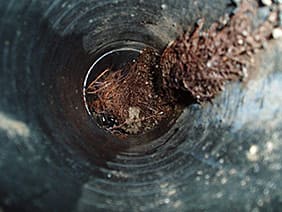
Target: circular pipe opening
(116,56)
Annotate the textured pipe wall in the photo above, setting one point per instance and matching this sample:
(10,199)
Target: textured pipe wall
(222,156)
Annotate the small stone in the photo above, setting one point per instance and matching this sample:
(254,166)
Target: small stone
(253,153)
(277,33)
(266,2)
(245,33)
(163,6)
(209,64)
(240,42)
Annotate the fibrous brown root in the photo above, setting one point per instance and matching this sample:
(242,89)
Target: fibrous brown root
(130,96)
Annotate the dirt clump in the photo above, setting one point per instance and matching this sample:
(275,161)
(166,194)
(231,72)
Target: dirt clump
(202,62)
